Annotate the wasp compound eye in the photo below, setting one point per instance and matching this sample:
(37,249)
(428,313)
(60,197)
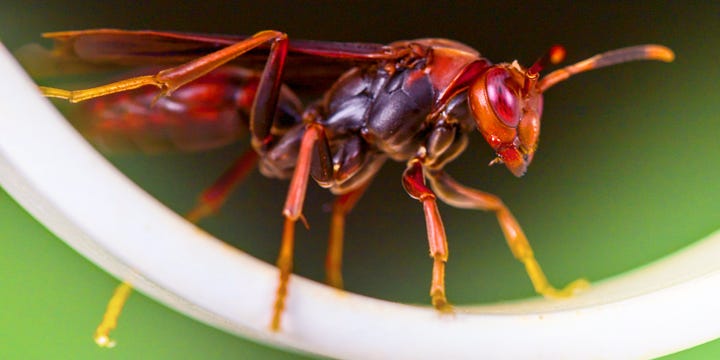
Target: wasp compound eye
(503,98)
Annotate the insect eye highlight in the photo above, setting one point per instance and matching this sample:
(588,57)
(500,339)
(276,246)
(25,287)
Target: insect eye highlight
(503,98)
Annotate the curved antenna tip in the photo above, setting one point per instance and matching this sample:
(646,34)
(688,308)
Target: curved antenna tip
(661,53)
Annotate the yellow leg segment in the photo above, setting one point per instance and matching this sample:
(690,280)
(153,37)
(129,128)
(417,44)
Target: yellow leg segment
(543,287)
(520,247)
(112,313)
(462,196)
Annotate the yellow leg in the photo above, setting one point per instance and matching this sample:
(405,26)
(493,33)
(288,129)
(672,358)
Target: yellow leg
(292,211)
(167,81)
(333,262)
(520,247)
(543,287)
(112,313)
(461,196)
(285,264)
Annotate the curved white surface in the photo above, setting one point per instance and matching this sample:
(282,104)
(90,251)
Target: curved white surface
(62,181)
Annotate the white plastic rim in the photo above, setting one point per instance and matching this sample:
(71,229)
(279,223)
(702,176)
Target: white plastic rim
(44,164)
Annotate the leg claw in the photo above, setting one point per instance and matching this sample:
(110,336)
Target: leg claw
(569,290)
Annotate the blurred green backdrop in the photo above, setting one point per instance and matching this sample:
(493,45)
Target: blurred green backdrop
(625,173)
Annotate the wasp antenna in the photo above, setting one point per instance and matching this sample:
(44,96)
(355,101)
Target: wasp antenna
(554,55)
(633,53)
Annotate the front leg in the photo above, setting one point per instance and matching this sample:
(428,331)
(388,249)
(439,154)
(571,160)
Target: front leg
(455,194)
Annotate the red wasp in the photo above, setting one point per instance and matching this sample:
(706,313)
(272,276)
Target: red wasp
(410,101)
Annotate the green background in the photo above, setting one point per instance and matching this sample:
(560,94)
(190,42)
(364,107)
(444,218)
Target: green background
(625,172)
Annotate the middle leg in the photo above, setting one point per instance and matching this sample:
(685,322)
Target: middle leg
(292,211)
(341,207)
(414,183)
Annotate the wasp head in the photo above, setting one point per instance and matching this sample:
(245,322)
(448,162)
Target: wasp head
(506,100)
(507,107)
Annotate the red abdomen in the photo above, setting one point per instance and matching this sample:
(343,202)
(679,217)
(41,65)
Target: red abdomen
(207,113)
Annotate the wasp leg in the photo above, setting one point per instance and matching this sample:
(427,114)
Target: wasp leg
(414,183)
(171,79)
(333,261)
(112,313)
(209,202)
(461,196)
(213,198)
(292,211)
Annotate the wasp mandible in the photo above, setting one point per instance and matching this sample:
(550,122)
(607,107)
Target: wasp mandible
(410,101)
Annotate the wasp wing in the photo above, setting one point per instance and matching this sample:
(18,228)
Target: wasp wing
(309,63)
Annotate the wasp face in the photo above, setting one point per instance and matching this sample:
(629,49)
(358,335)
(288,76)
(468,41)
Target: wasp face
(507,114)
